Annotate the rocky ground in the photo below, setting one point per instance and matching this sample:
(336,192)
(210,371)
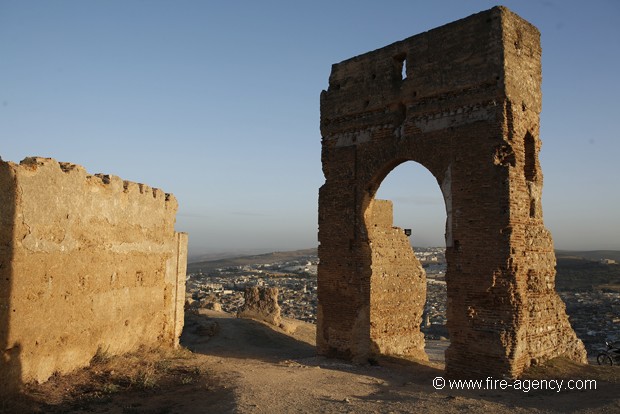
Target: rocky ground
(243,366)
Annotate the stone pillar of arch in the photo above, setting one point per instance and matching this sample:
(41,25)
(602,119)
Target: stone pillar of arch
(464,101)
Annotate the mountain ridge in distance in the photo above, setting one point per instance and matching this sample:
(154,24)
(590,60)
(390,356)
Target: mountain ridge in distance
(244,253)
(241,260)
(257,256)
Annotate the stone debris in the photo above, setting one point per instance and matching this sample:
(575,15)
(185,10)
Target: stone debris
(261,303)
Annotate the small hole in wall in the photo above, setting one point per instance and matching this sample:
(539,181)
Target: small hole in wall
(400,66)
(529,167)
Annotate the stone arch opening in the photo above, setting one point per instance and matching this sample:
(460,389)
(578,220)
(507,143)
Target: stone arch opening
(401,290)
(418,203)
(470,115)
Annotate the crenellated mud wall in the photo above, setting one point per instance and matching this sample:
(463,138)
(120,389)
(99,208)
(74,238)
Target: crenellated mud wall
(88,263)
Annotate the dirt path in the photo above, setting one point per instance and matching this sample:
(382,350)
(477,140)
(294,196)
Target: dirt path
(273,372)
(242,366)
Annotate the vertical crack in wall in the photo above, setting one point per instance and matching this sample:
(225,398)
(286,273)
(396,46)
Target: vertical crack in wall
(530,171)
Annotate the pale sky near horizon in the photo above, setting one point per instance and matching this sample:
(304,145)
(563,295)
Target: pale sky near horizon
(218,103)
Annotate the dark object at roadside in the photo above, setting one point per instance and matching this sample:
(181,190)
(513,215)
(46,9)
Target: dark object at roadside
(610,355)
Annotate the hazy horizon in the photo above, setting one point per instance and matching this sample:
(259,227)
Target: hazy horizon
(259,251)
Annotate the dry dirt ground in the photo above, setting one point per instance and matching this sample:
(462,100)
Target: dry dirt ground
(243,366)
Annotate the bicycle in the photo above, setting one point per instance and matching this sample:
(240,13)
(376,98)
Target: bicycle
(610,355)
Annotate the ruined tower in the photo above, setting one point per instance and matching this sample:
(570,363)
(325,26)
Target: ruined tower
(464,101)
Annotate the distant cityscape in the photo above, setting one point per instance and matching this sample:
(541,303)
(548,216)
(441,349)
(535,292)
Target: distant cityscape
(594,314)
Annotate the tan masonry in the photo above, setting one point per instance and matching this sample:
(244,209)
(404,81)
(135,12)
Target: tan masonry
(87,263)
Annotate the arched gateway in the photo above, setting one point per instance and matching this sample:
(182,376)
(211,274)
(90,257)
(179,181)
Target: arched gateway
(464,101)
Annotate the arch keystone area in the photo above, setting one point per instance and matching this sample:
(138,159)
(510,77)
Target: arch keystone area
(467,108)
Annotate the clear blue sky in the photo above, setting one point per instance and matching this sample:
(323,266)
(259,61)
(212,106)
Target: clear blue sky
(218,103)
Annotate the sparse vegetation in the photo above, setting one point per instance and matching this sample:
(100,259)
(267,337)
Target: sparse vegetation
(109,377)
(101,356)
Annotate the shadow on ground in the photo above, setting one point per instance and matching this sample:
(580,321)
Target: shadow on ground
(145,382)
(397,385)
(241,338)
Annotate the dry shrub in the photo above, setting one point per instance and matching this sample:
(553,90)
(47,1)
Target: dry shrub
(143,371)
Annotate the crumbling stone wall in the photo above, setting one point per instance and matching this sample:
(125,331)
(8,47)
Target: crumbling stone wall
(261,303)
(464,101)
(397,287)
(88,263)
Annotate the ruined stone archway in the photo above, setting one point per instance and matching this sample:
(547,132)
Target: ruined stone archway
(467,108)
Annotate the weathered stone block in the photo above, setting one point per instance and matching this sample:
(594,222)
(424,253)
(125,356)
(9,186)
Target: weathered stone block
(261,303)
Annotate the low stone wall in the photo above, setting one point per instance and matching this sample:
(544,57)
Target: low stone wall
(88,263)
